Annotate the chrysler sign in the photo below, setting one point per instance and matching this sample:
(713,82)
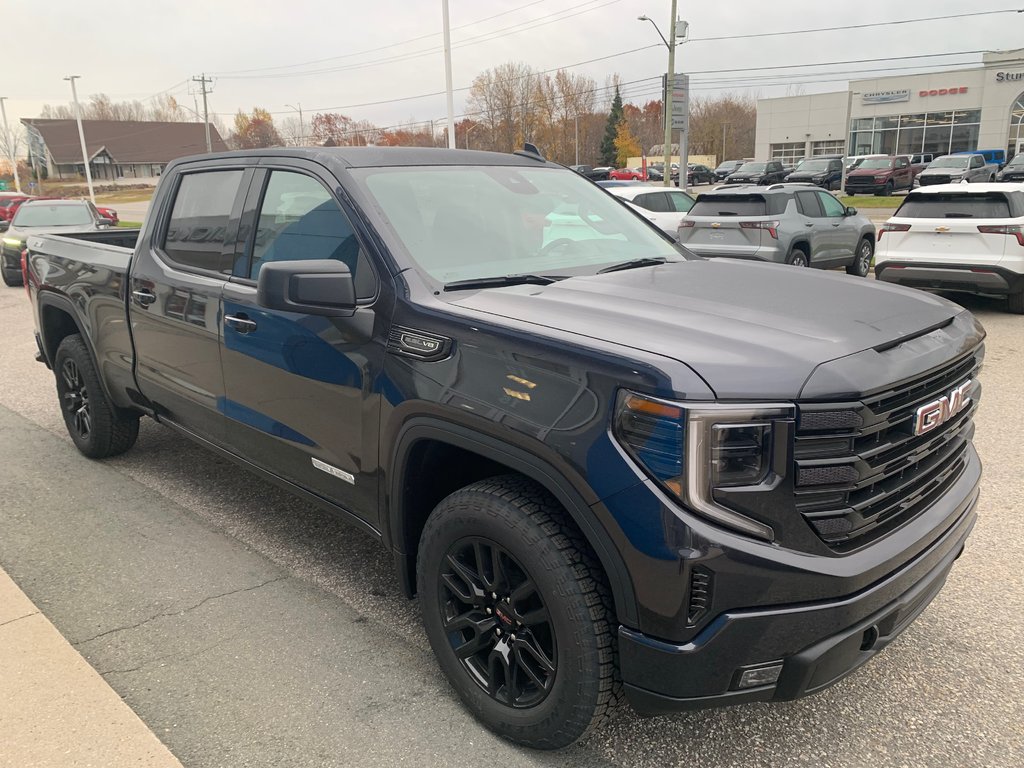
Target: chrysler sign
(886,97)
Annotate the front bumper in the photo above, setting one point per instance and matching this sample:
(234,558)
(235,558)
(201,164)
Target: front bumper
(951,277)
(817,643)
(865,189)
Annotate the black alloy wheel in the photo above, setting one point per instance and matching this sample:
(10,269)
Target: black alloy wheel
(497,622)
(798,258)
(862,259)
(75,400)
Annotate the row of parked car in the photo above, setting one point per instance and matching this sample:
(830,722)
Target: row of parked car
(25,215)
(951,236)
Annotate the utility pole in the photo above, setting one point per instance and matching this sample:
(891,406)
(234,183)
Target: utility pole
(81,136)
(722,158)
(670,81)
(448,75)
(203,80)
(846,139)
(10,146)
(577,121)
(302,128)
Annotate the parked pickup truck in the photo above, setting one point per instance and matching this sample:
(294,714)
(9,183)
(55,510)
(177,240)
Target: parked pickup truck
(880,175)
(604,464)
(954,168)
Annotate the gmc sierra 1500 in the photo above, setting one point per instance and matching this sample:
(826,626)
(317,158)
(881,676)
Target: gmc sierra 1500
(604,464)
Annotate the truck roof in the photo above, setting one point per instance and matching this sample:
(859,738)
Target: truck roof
(370,157)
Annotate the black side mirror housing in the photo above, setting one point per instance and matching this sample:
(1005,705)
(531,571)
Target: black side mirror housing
(4,225)
(313,287)
(851,211)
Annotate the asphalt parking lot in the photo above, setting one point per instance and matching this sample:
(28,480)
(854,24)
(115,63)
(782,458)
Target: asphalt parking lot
(249,629)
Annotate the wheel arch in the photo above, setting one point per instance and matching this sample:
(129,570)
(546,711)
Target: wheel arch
(482,456)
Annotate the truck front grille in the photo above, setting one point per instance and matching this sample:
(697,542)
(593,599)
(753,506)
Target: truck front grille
(924,181)
(861,471)
(860,181)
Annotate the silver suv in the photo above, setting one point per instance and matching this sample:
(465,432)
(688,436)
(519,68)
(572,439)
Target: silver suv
(796,224)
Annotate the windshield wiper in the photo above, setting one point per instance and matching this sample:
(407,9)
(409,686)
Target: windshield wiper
(499,281)
(646,262)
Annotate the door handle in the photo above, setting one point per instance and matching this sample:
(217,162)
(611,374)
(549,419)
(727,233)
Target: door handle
(808,223)
(836,224)
(240,323)
(143,297)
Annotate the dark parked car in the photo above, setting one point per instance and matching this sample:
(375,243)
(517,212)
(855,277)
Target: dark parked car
(38,216)
(880,176)
(610,469)
(770,172)
(699,174)
(824,173)
(727,167)
(596,174)
(1013,170)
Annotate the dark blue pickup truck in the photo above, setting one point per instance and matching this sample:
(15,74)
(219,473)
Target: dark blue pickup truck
(606,466)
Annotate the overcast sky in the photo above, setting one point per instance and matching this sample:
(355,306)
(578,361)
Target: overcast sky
(133,49)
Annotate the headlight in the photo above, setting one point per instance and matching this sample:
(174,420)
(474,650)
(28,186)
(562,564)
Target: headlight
(12,241)
(819,177)
(695,449)
(881,179)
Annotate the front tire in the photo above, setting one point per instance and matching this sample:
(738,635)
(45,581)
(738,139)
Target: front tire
(518,613)
(97,428)
(862,259)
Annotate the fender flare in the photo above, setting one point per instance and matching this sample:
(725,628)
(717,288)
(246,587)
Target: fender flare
(421,428)
(64,304)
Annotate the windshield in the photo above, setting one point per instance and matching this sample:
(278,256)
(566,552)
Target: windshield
(813,165)
(465,222)
(877,163)
(729,205)
(752,167)
(36,215)
(1017,160)
(950,162)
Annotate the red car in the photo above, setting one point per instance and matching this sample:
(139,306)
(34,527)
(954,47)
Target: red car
(9,205)
(108,213)
(626,174)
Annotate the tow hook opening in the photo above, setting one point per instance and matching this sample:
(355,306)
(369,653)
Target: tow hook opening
(869,639)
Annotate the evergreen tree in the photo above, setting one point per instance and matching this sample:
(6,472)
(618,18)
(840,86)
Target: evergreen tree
(611,129)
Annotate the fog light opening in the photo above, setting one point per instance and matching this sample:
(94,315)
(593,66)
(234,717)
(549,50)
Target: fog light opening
(870,638)
(767,674)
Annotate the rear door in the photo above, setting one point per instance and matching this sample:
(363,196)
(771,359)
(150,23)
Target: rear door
(302,391)
(174,309)
(949,227)
(815,225)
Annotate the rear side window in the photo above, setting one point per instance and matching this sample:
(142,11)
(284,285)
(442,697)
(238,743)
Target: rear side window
(654,201)
(680,202)
(199,220)
(992,205)
(730,205)
(808,204)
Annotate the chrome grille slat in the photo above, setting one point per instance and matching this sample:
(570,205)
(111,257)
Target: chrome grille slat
(893,474)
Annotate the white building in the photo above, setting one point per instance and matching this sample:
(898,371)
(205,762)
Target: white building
(939,112)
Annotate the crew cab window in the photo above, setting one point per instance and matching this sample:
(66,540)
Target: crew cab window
(955,206)
(977,162)
(300,220)
(199,220)
(653,201)
(830,205)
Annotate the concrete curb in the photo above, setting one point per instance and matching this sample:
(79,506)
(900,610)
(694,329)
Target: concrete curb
(55,710)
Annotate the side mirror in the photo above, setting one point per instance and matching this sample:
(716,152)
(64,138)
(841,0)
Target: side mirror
(851,211)
(4,225)
(314,287)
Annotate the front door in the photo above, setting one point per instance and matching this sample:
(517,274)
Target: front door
(301,390)
(843,234)
(174,307)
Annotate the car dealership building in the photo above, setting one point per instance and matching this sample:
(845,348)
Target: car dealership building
(938,113)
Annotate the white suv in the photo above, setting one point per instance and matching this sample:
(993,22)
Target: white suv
(957,237)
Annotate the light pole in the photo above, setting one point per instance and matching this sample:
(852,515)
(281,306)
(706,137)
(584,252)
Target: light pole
(81,136)
(576,119)
(846,139)
(448,75)
(10,145)
(302,128)
(469,130)
(669,85)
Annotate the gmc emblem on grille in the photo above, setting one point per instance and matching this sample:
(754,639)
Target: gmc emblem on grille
(938,412)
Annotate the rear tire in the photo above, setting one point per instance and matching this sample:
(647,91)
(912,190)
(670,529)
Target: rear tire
(862,259)
(498,559)
(1015,303)
(798,258)
(97,428)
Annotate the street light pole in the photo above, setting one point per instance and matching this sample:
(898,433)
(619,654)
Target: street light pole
(577,121)
(846,140)
(10,145)
(448,75)
(81,136)
(302,128)
(469,130)
(669,85)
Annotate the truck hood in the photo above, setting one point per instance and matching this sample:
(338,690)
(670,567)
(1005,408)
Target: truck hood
(749,330)
(806,174)
(943,172)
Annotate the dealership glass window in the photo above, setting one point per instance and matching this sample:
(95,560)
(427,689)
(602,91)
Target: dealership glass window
(964,138)
(788,151)
(936,139)
(910,141)
(939,118)
(882,123)
(884,142)
(912,121)
(861,143)
(964,116)
(863,123)
(830,147)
